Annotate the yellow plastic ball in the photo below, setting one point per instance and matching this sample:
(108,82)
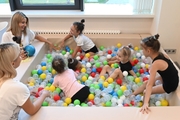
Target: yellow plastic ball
(83,70)
(53,71)
(112,65)
(43,76)
(137,80)
(119,45)
(139,104)
(91,97)
(87,55)
(123,88)
(43,68)
(65,104)
(31,84)
(102,77)
(105,84)
(110,80)
(146,66)
(68,101)
(136,48)
(46,88)
(84,78)
(164,103)
(32,80)
(52,88)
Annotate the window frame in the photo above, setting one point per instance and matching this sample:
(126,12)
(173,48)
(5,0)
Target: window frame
(16,5)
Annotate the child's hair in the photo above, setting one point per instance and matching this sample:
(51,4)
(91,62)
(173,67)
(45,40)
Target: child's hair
(14,23)
(79,25)
(72,63)
(58,64)
(9,52)
(151,42)
(125,51)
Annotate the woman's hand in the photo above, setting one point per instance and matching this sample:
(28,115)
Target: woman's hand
(145,108)
(23,54)
(45,93)
(51,47)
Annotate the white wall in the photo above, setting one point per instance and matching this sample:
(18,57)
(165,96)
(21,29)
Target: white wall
(166,22)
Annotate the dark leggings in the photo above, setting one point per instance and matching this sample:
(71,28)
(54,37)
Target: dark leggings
(93,49)
(81,95)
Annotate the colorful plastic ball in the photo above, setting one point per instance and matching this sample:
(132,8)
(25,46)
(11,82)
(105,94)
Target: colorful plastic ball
(68,100)
(119,45)
(93,74)
(93,70)
(91,97)
(51,80)
(143,65)
(158,103)
(87,55)
(30,49)
(58,90)
(76,102)
(108,56)
(141,71)
(110,80)
(43,63)
(136,61)
(116,65)
(137,80)
(96,57)
(138,55)
(138,74)
(83,70)
(49,84)
(48,56)
(31,84)
(43,68)
(45,103)
(40,88)
(39,72)
(143,57)
(84,78)
(46,88)
(78,58)
(105,62)
(52,88)
(108,104)
(136,48)
(105,84)
(115,49)
(56,97)
(71,52)
(97,64)
(164,102)
(145,78)
(99,69)
(53,71)
(102,77)
(102,48)
(125,73)
(65,104)
(34,72)
(119,81)
(123,88)
(120,92)
(43,76)
(88,65)
(63,52)
(109,51)
(96,86)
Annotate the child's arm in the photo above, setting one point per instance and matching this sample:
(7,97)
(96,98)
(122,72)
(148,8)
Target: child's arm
(75,51)
(132,73)
(64,39)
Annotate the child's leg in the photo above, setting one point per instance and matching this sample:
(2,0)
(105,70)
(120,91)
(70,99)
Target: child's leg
(105,69)
(117,74)
(140,89)
(91,54)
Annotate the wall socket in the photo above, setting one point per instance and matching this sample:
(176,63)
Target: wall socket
(170,51)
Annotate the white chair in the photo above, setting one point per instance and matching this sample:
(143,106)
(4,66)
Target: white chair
(3,27)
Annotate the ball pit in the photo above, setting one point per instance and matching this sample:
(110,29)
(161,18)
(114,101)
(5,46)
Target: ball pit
(103,93)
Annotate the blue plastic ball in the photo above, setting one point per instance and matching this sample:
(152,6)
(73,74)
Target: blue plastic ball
(43,63)
(39,72)
(30,49)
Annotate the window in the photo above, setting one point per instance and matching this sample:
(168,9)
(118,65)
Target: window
(131,6)
(46,5)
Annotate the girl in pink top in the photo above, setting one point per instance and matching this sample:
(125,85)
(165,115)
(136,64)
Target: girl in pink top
(66,80)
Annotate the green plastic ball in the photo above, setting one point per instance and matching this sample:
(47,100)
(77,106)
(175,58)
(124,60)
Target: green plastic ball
(96,57)
(97,64)
(34,72)
(76,102)
(48,56)
(63,52)
(108,104)
(116,65)
(71,51)
(102,48)
(120,92)
(45,103)
(58,90)
(105,62)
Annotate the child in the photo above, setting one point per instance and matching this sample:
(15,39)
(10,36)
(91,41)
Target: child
(74,64)
(82,41)
(123,56)
(20,33)
(161,64)
(14,95)
(66,80)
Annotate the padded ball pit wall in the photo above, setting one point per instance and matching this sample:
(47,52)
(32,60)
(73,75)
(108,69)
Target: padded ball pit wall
(96,113)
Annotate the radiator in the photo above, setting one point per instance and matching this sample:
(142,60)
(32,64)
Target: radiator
(85,32)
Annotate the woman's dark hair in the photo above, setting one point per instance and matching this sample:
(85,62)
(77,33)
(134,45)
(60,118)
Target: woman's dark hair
(79,25)
(58,64)
(151,42)
(72,63)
